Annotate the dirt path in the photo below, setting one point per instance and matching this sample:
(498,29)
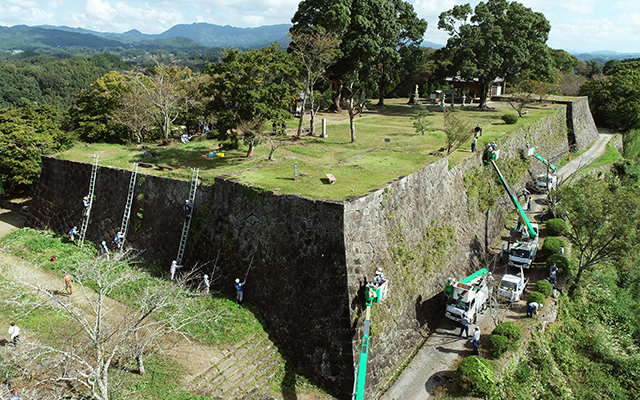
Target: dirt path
(435,361)
(595,151)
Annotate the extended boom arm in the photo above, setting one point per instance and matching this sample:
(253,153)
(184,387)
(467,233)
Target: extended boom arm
(514,199)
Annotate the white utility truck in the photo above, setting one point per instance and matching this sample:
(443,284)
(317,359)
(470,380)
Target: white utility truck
(467,297)
(512,286)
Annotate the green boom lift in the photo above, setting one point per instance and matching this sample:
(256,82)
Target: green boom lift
(374,292)
(523,252)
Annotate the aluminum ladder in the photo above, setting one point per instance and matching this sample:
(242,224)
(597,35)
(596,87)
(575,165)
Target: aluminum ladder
(92,185)
(187,220)
(127,208)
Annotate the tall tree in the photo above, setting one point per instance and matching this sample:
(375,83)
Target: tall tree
(400,29)
(603,221)
(315,51)
(258,85)
(496,39)
(373,34)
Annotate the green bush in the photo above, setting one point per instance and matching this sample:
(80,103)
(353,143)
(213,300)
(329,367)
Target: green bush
(499,344)
(551,246)
(561,262)
(475,375)
(544,287)
(509,329)
(510,119)
(631,144)
(537,297)
(556,227)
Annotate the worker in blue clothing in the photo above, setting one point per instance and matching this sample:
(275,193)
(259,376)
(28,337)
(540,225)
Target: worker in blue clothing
(188,208)
(72,233)
(239,289)
(532,308)
(464,326)
(118,240)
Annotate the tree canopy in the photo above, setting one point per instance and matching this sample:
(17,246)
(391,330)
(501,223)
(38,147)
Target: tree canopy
(26,133)
(614,99)
(602,220)
(374,34)
(257,85)
(496,39)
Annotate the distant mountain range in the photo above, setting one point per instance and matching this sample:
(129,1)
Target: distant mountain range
(184,36)
(22,37)
(604,55)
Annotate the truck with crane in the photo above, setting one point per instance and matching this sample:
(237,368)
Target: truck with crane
(374,292)
(524,244)
(511,287)
(468,297)
(545,182)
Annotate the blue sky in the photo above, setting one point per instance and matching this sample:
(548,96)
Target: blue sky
(576,25)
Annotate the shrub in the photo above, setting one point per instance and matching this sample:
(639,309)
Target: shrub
(475,375)
(556,227)
(551,246)
(510,119)
(510,330)
(544,287)
(561,262)
(537,297)
(499,344)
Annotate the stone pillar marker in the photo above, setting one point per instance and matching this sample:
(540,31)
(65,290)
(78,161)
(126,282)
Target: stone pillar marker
(324,128)
(295,170)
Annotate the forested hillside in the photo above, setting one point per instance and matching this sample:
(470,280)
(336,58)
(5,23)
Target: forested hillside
(50,80)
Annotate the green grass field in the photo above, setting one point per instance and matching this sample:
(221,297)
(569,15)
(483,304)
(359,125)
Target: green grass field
(386,148)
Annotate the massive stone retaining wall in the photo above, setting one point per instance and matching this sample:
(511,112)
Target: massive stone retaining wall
(311,259)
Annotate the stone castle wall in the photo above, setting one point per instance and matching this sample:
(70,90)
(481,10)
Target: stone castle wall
(311,259)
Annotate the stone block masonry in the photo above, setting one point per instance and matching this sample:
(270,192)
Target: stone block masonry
(311,258)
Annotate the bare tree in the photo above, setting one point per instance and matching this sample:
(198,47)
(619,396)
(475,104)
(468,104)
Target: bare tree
(162,95)
(101,332)
(456,129)
(316,52)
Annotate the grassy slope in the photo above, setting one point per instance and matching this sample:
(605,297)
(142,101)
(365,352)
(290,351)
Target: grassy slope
(359,167)
(164,375)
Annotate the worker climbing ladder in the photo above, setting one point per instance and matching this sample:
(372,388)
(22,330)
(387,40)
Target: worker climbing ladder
(87,214)
(187,219)
(127,208)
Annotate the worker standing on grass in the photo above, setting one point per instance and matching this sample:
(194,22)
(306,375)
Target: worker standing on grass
(207,284)
(174,268)
(239,289)
(68,284)
(476,340)
(14,333)
(105,250)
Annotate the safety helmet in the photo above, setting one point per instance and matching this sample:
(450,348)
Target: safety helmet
(206,276)
(237,280)
(186,201)
(103,242)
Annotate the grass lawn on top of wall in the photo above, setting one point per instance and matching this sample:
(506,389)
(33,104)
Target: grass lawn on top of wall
(359,167)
